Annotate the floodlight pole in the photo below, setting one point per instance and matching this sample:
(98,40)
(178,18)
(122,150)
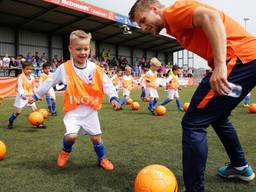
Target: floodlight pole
(245,21)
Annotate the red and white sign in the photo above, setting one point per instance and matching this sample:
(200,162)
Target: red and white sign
(84,7)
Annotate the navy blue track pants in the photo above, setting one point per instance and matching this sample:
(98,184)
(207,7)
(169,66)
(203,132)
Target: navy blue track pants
(216,112)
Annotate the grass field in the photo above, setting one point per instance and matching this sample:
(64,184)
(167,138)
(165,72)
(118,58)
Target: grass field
(133,139)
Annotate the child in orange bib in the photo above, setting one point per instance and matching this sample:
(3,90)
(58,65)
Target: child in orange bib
(127,84)
(25,90)
(50,96)
(85,85)
(151,84)
(172,87)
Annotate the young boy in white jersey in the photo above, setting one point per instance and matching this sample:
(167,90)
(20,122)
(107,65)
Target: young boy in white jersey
(26,87)
(127,82)
(86,83)
(50,96)
(151,84)
(172,86)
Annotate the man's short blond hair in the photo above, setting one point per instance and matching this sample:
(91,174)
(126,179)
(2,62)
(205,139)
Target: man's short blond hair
(79,34)
(140,5)
(155,62)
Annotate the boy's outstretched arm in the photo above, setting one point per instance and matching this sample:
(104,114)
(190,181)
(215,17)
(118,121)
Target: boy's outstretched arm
(110,90)
(53,79)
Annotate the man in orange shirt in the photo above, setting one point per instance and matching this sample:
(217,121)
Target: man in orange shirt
(231,53)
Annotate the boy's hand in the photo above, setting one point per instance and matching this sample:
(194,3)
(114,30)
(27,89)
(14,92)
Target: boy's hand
(116,105)
(23,97)
(32,99)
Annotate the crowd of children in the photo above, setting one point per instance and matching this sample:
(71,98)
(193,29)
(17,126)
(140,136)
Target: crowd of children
(85,84)
(120,81)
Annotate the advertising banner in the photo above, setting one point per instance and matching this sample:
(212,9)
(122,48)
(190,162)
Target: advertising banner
(84,7)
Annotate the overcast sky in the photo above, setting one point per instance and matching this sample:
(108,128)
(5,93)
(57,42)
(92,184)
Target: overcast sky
(238,9)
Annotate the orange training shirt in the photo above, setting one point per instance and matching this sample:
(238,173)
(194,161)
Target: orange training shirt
(178,23)
(174,84)
(79,92)
(151,80)
(28,87)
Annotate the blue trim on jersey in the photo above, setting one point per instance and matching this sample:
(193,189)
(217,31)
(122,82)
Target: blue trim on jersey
(75,65)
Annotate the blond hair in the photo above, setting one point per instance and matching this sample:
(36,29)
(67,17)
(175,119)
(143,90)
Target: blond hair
(128,68)
(155,62)
(140,5)
(79,34)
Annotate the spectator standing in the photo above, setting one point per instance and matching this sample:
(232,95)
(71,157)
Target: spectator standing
(6,61)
